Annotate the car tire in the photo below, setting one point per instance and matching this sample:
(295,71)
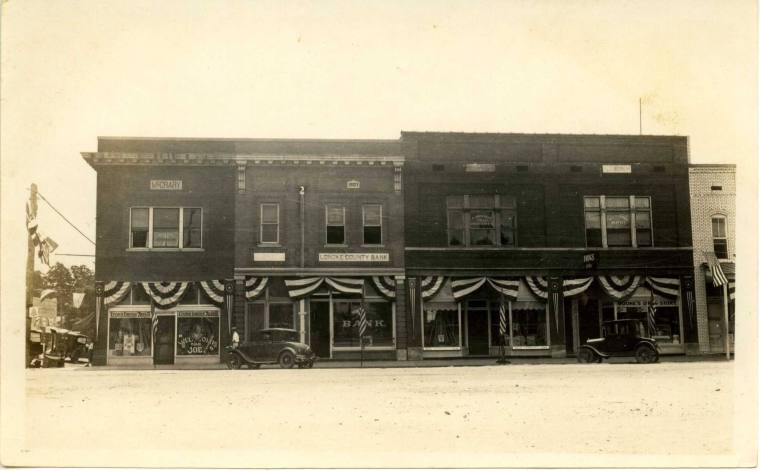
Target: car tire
(585,355)
(309,364)
(234,361)
(286,360)
(646,354)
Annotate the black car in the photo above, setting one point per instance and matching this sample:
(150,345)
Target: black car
(271,346)
(624,337)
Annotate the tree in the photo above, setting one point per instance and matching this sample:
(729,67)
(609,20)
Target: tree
(65,282)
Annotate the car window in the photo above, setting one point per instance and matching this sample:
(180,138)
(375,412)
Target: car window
(266,336)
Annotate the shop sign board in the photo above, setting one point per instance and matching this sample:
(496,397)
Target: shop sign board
(590,260)
(268,256)
(618,221)
(643,303)
(353,185)
(130,314)
(616,169)
(166,184)
(354,257)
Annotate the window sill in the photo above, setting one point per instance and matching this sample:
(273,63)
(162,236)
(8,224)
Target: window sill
(372,246)
(164,249)
(269,245)
(529,347)
(441,349)
(357,349)
(336,246)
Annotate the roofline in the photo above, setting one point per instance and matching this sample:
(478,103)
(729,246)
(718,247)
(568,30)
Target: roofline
(712,165)
(244,139)
(498,134)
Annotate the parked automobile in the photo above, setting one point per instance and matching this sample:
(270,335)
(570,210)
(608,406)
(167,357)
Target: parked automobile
(271,346)
(623,337)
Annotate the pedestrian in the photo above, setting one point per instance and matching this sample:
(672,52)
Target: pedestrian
(90,350)
(235,337)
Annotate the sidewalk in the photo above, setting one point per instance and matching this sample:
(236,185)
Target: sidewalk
(430,363)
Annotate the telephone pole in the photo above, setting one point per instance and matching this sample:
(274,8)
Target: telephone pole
(31,215)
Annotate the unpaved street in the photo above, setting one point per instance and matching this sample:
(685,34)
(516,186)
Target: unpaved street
(369,417)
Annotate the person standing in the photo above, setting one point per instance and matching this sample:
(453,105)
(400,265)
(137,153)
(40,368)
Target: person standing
(235,338)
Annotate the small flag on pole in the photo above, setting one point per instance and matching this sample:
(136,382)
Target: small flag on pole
(502,320)
(650,317)
(362,321)
(719,278)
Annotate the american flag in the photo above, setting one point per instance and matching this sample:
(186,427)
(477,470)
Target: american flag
(154,322)
(362,320)
(502,320)
(650,316)
(719,278)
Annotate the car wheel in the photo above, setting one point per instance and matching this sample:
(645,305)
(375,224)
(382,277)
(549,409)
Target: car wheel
(645,354)
(286,359)
(254,366)
(233,362)
(585,355)
(309,364)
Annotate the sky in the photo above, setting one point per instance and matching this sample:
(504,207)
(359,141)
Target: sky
(76,70)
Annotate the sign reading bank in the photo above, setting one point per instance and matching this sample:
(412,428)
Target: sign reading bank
(354,257)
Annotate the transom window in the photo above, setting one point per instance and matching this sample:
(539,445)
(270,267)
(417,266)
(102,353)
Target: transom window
(481,220)
(270,223)
(720,239)
(178,228)
(372,220)
(618,221)
(335,218)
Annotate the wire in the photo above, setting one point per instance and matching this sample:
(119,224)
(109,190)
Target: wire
(64,217)
(74,255)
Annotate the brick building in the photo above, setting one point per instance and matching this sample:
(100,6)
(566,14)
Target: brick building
(712,189)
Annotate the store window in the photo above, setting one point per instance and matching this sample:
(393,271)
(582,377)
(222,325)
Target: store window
(529,326)
(281,315)
(129,334)
(372,220)
(379,331)
(162,228)
(618,221)
(197,333)
(272,310)
(720,240)
(270,223)
(335,218)
(666,315)
(481,220)
(441,325)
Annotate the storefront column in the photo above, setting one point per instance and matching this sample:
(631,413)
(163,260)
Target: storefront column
(556,318)
(413,336)
(101,327)
(302,320)
(401,320)
(689,314)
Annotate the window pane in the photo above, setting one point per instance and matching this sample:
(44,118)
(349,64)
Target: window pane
(618,221)
(593,220)
(481,219)
(335,215)
(591,202)
(130,336)
(617,202)
(379,324)
(372,214)
(643,220)
(281,315)
(642,202)
(481,201)
(454,201)
(618,238)
(507,236)
(269,233)
(198,336)
(139,230)
(372,235)
(269,213)
(166,218)
(335,235)
(345,324)
(482,236)
(643,237)
(528,326)
(191,220)
(719,227)
(456,228)
(720,246)
(593,237)
(441,325)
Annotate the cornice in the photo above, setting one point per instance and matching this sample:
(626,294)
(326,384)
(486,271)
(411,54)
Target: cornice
(213,159)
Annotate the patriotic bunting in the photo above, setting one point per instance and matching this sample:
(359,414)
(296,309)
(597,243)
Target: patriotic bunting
(115,291)
(214,290)
(620,287)
(430,285)
(462,287)
(301,287)
(731,290)
(165,294)
(570,287)
(254,286)
(385,285)
(47,293)
(666,287)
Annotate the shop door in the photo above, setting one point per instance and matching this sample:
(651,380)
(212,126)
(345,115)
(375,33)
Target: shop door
(319,328)
(164,354)
(477,331)
(588,320)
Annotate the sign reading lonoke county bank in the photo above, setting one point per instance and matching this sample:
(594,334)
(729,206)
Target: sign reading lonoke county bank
(354,257)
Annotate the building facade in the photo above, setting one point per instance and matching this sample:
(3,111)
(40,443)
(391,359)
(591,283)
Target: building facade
(452,244)
(712,189)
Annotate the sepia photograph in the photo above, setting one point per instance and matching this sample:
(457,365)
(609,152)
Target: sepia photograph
(453,234)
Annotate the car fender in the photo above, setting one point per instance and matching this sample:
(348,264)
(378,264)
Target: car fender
(595,350)
(650,344)
(243,356)
(287,348)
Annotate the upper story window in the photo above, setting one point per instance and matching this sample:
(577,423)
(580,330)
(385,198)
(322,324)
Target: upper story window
(270,223)
(372,220)
(618,221)
(481,220)
(335,224)
(179,228)
(720,240)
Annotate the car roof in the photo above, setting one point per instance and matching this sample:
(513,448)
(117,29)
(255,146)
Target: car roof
(278,329)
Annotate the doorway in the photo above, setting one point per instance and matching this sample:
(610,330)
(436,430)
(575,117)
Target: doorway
(477,327)
(164,354)
(319,328)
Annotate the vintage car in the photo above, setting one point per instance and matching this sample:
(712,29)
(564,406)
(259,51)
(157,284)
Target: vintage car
(271,346)
(623,337)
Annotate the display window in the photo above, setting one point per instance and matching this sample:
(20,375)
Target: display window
(529,326)
(379,332)
(441,324)
(666,315)
(129,334)
(197,333)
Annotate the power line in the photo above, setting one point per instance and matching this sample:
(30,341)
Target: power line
(74,255)
(64,217)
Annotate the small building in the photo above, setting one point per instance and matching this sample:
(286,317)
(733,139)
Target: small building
(712,189)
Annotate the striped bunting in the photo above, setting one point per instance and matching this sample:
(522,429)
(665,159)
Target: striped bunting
(300,287)
(666,287)
(166,293)
(538,285)
(651,325)
(385,285)
(362,321)
(254,286)
(115,291)
(620,287)
(430,285)
(502,319)
(214,290)
(731,290)
(718,276)
(570,287)
(462,287)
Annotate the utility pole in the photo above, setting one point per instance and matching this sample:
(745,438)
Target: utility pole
(30,216)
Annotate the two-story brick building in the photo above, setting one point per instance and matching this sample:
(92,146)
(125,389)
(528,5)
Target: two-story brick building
(503,222)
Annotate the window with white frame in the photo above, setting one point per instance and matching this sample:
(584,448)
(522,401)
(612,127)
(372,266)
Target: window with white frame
(270,223)
(178,228)
(481,220)
(335,224)
(372,220)
(720,239)
(618,221)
